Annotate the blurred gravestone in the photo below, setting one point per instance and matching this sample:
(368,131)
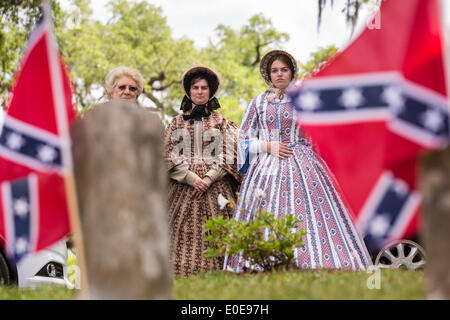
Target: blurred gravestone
(121,186)
(435,187)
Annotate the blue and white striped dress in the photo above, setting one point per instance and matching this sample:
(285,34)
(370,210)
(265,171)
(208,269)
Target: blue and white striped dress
(301,184)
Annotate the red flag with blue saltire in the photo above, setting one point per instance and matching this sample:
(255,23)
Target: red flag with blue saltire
(35,155)
(374,109)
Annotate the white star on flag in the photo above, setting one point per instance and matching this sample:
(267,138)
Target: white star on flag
(400,187)
(21,245)
(46,153)
(20,207)
(309,101)
(392,95)
(379,225)
(432,119)
(351,98)
(15,141)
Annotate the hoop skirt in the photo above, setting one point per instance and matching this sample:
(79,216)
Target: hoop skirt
(301,184)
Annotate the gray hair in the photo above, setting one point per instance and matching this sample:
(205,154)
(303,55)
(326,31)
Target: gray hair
(116,73)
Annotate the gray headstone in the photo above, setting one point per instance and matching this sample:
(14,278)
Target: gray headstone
(435,187)
(121,186)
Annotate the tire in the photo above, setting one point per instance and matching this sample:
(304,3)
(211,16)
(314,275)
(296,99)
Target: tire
(5,277)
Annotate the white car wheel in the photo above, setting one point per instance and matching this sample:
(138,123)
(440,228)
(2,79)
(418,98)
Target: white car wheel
(401,254)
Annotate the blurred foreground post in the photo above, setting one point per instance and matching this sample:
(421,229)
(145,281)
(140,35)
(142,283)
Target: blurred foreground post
(435,187)
(121,187)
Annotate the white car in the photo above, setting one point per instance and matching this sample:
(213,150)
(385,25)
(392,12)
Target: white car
(48,266)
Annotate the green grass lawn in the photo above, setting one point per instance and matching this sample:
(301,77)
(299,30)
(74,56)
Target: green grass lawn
(40,293)
(298,285)
(293,285)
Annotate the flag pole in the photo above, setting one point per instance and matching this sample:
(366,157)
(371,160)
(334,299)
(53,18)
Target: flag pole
(445,43)
(77,235)
(63,129)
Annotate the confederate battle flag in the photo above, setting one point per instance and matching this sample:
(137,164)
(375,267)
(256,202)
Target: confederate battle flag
(374,109)
(35,154)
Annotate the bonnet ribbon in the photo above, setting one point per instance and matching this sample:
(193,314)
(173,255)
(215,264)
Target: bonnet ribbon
(275,93)
(198,113)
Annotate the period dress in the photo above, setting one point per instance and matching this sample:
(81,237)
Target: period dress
(301,184)
(197,149)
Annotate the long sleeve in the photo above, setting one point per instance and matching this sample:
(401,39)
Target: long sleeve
(182,174)
(216,173)
(248,141)
(177,142)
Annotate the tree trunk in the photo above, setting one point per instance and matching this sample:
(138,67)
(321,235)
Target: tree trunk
(121,186)
(435,187)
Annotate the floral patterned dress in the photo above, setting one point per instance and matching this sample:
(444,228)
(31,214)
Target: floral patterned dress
(193,160)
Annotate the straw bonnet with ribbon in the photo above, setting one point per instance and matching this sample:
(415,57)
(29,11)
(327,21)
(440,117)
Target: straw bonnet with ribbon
(213,80)
(264,68)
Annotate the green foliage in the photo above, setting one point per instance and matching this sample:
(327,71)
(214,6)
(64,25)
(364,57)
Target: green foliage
(17,19)
(236,56)
(266,241)
(137,35)
(317,61)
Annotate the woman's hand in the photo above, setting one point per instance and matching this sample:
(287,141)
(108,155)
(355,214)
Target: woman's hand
(200,186)
(277,149)
(207,180)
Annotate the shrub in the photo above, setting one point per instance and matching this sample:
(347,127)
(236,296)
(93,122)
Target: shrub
(267,242)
